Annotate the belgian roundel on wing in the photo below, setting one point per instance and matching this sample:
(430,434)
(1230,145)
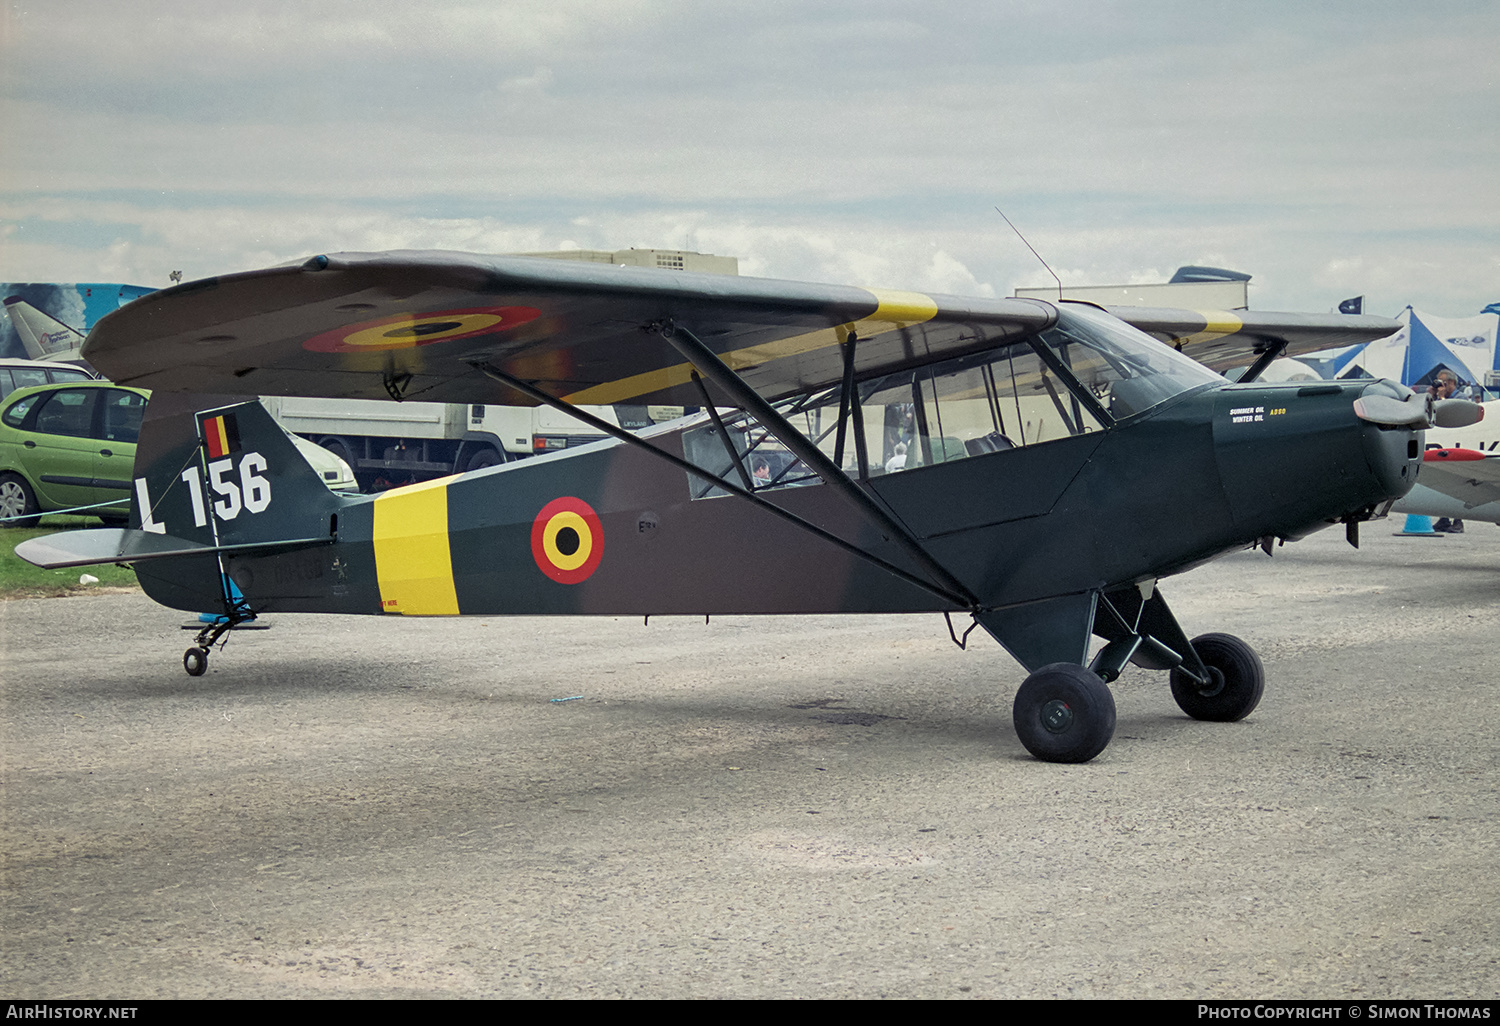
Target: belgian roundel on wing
(406,331)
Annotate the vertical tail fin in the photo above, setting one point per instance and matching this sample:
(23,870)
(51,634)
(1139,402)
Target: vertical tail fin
(214,479)
(44,336)
(218,471)
(223,473)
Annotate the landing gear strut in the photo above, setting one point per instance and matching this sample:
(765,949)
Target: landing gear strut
(1065,713)
(195,659)
(240,618)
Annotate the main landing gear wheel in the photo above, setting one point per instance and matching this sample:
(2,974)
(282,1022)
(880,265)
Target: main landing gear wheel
(1064,713)
(195,661)
(1237,680)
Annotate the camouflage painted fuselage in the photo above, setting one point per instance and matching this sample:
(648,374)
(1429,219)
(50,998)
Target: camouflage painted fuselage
(1211,471)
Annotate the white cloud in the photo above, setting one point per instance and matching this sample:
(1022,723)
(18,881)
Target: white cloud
(843,141)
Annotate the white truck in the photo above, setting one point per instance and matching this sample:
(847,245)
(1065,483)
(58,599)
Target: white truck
(389,444)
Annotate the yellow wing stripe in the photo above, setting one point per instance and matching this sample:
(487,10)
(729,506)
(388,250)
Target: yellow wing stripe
(413,563)
(1218,323)
(894,310)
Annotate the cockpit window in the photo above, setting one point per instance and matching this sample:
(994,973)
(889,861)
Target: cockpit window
(1126,370)
(745,453)
(1073,379)
(989,402)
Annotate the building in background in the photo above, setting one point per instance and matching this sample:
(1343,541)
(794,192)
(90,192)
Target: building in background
(664,259)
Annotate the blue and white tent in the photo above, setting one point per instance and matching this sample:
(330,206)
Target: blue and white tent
(1426,345)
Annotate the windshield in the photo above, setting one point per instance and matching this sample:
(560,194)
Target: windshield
(1004,398)
(1128,371)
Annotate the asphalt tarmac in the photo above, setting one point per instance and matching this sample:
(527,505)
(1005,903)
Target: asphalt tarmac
(757,807)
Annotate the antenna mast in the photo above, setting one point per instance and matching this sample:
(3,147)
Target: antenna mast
(1033,253)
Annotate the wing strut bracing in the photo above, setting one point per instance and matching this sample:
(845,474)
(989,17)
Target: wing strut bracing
(713,412)
(714,369)
(958,596)
(848,405)
(1274,348)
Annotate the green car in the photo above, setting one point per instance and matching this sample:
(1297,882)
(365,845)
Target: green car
(68,445)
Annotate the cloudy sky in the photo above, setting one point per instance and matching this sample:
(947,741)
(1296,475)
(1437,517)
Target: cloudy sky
(1329,149)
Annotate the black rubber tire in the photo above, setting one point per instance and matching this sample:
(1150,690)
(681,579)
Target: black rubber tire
(1239,677)
(1064,713)
(339,448)
(484,458)
(195,661)
(18,501)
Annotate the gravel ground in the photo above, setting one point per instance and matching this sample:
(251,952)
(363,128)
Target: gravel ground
(757,807)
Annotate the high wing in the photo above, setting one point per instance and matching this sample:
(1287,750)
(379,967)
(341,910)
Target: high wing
(423,325)
(357,325)
(1223,339)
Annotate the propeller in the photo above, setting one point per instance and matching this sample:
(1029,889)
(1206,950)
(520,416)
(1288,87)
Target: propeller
(1456,413)
(1413,411)
(1418,411)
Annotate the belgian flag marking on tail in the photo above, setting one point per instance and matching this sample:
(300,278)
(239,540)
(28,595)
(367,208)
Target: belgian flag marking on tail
(222,435)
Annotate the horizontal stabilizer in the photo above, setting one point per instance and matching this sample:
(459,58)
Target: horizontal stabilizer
(127,545)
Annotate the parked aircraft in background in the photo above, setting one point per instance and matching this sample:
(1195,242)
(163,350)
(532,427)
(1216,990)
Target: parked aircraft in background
(1460,475)
(1459,484)
(44,336)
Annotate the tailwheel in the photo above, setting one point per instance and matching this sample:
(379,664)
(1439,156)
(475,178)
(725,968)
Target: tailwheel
(1236,680)
(1064,713)
(211,628)
(195,661)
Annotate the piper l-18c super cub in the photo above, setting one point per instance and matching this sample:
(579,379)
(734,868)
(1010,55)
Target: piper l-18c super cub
(1036,466)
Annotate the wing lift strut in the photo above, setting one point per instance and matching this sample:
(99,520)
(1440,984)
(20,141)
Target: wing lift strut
(938,582)
(1267,351)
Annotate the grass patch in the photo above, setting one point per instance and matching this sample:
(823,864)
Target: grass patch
(19,579)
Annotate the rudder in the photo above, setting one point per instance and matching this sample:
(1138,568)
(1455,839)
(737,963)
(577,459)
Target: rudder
(220,471)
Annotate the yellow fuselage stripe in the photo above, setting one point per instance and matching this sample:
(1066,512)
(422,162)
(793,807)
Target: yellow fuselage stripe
(893,311)
(413,563)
